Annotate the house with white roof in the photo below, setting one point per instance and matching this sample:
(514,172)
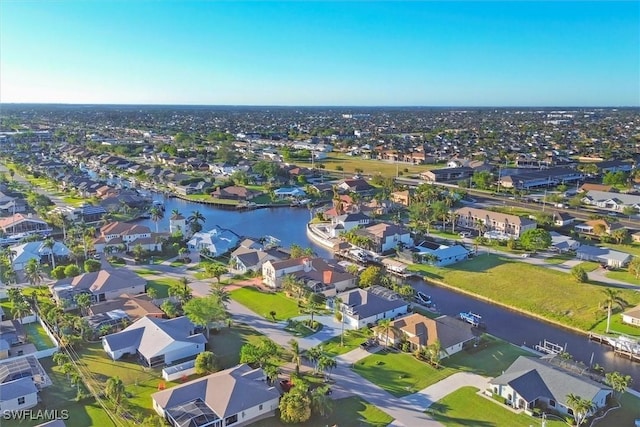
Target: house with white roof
(606,256)
(612,201)
(156,341)
(217,241)
(237,396)
(37,251)
(531,382)
(362,307)
(345,222)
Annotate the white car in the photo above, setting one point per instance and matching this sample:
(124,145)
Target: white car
(465,234)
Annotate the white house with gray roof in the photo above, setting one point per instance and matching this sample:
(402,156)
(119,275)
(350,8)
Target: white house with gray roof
(531,382)
(234,397)
(21,379)
(156,341)
(606,256)
(361,307)
(612,201)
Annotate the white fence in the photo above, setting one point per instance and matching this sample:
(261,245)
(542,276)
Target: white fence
(185,369)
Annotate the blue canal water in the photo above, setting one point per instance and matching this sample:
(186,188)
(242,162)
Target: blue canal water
(289,225)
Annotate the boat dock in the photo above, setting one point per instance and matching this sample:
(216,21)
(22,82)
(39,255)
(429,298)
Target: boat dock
(549,347)
(621,345)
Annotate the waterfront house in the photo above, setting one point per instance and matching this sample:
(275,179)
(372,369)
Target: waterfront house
(401,197)
(38,251)
(345,222)
(216,241)
(235,192)
(420,332)
(606,256)
(103,285)
(318,274)
(357,185)
(531,382)
(510,225)
(118,234)
(156,342)
(364,307)
(440,255)
(177,222)
(387,237)
(237,396)
(632,316)
(251,256)
(289,192)
(21,379)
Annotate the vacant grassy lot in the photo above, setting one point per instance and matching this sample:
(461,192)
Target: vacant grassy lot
(263,303)
(352,340)
(399,373)
(551,294)
(490,358)
(349,412)
(349,165)
(161,286)
(227,342)
(464,407)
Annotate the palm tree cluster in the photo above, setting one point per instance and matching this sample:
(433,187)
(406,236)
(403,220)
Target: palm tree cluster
(7,273)
(20,305)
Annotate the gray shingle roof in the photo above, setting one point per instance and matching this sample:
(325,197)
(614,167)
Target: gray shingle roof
(366,304)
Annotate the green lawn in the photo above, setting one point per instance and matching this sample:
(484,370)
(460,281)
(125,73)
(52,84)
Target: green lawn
(145,271)
(558,259)
(617,326)
(208,198)
(399,373)
(349,412)
(512,210)
(161,286)
(624,416)
(227,342)
(589,266)
(528,287)
(262,303)
(490,358)
(352,340)
(624,276)
(633,248)
(37,336)
(464,407)
(351,163)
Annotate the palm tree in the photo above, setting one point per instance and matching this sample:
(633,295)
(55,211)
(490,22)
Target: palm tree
(114,390)
(195,220)
(20,310)
(49,244)
(295,354)
(434,351)
(321,402)
(60,358)
(326,363)
(612,298)
(384,327)
(156,215)
(83,301)
(33,272)
(314,354)
(580,407)
(339,315)
(219,291)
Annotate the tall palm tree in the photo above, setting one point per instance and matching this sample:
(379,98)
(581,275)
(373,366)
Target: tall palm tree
(385,327)
(114,390)
(219,291)
(296,356)
(33,272)
(612,298)
(20,310)
(195,220)
(156,215)
(580,407)
(49,244)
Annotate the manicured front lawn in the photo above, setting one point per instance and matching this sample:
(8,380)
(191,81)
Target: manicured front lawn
(554,295)
(352,340)
(617,325)
(464,407)
(624,276)
(490,358)
(161,286)
(227,342)
(349,165)
(348,412)
(558,259)
(263,303)
(633,248)
(399,373)
(625,416)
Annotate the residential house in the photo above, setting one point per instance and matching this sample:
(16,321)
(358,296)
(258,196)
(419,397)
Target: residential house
(345,222)
(363,307)
(387,237)
(401,197)
(616,165)
(510,225)
(632,316)
(588,186)
(251,256)
(216,242)
(612,201)
(103,285)
(20,223)
(235,192)
(134,306)
(38,251)
(635,237)
(288,192)
(21,379)
(156,342)
(116,234)
(606,256)
(597,227)
(421,331)
(531,382)
(476,165)
(562,219)
(561,243)
(88,214)
(356,185)
(11,205)
(318,274)
(441,255)
(237,396)
(177,222)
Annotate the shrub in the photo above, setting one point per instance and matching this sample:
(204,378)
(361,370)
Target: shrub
(71,270)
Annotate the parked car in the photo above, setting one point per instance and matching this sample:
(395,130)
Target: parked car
(465,234)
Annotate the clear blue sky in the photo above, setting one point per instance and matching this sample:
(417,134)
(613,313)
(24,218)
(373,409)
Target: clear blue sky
(508,53)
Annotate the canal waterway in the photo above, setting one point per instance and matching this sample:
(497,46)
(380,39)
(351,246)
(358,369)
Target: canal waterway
(288,224)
